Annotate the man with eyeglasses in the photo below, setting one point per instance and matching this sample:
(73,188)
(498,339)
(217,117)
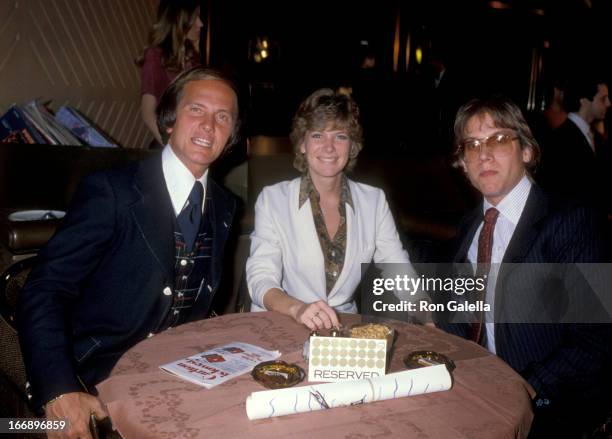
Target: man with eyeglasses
(518,223)
(575,161)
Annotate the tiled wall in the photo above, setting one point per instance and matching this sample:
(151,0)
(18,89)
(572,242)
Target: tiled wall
(78,52)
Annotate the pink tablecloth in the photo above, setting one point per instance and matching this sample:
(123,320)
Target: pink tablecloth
(487,400)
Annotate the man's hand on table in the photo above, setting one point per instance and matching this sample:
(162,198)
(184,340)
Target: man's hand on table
(75,407)
(316,315)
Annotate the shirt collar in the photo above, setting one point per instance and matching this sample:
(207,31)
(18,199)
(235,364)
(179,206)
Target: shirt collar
(307,188)
(179,179)
(512,205)
(582,125)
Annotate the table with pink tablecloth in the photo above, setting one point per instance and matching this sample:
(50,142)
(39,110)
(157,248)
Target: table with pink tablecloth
(487,399)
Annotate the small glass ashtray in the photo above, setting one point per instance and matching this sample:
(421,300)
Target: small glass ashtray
(277,374)
(418,359)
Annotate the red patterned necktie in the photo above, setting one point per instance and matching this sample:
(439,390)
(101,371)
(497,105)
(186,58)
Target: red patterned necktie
(485,249)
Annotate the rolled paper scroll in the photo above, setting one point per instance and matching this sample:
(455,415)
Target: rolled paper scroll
(281,402)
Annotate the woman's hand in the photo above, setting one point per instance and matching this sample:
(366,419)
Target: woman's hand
(316,315)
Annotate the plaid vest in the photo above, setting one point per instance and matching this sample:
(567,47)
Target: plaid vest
(192,271)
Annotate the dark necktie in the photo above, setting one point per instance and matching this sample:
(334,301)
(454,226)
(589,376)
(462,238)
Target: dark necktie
(190,217)
(485,249)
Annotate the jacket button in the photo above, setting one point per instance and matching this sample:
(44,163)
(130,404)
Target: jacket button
(167,291)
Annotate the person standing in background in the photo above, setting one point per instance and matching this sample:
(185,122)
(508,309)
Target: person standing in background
(554,113)
(173,47)
(574,160)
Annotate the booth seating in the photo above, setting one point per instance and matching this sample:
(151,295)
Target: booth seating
(44,177)
(425,196)
(13,395)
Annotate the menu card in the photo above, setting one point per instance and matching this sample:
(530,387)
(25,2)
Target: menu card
(216,366)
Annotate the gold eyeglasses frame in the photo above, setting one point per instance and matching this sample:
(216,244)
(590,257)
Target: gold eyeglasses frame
(498,144)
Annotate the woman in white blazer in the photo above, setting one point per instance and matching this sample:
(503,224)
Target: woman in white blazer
(313,233)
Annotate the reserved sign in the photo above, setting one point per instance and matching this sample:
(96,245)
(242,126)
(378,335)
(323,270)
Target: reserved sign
(334,359)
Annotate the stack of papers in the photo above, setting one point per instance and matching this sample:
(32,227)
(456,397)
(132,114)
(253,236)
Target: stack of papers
(82,127)
(33,123)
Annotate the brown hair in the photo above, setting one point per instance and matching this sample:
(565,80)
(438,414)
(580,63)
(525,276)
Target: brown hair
(505,114)
(166,109)
(320,110)
(174,19)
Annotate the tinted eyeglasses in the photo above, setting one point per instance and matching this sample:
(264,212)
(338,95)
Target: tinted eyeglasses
(498,144)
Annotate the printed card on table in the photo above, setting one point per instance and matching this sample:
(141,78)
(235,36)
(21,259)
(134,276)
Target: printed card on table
(335,359)
(213,367)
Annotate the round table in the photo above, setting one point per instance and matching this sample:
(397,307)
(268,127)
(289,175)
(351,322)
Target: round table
(487,400)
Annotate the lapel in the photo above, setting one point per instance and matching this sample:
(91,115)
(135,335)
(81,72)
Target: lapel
(524,235)
(305,233)
(353,230)
(578,143)
(154,213)
(221,216)
(522,241)
(155,217)
(527,228)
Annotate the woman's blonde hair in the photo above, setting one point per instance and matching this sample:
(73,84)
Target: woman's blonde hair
(174,20)
(326,108)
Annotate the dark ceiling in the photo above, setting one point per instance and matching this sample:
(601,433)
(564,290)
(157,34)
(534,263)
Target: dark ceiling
(490,44)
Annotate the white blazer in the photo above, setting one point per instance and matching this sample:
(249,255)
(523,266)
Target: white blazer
(285,249)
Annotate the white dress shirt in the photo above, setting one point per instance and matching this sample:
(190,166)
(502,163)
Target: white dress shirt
(510,210)
(179,180)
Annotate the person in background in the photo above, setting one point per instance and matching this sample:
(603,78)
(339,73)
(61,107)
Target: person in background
(139,251)
(555,113)
(174,43)
(313,233)
(522,227)
(575,163)
(543,123)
